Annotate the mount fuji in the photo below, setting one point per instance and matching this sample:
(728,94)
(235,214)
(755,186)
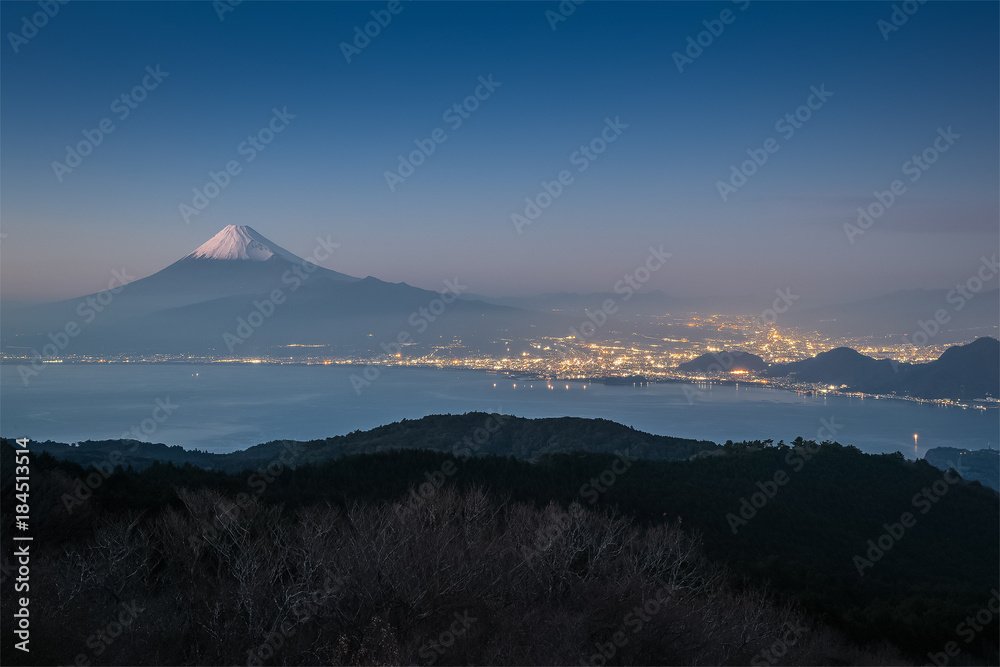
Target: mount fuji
(237,260)
(240,242)
(196,305)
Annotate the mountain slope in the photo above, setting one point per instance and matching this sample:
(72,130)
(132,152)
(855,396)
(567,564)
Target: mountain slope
(241,242)
(737,360)
(842,365)
(356,317)
(197,305)
(962,372)
(237,260)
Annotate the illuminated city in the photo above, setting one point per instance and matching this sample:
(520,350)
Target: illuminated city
(572,358)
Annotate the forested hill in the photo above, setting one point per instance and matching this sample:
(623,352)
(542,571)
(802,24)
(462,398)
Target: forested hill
(737,360)
(962,372)
(470,434)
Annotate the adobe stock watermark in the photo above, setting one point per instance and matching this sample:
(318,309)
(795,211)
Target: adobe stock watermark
(713,30)
(454,116)
(786,126)
(725,362)
(290,453)
(796,459)
(433,650)
(223,7)
(780,646)
(915,167)
(303,611)
(100,641)
(898,17)
(85,486)
(88,310)
(551,532)
(627,286)
(599,484)
(968,629)
(419,320)
(461,451)
(122,107)
(381,18)
(231,509)
(555,529)
(782,302)
(248,149)
(30,25)
(634,621)
(581,158)
(565,9)
(924,500)
(957,299)
(264,309)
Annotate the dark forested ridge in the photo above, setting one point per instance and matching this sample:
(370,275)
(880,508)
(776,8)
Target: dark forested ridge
(816,525)
(962,372)
(473,433)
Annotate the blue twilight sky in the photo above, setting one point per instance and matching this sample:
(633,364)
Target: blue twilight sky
(656,184)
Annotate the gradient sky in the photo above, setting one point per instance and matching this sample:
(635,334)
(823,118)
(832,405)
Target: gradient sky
(324,174)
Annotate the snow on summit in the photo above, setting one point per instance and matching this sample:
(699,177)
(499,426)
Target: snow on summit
(241,242)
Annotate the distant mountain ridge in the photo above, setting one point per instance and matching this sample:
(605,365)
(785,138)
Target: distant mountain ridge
(239,277)
(980,465)
(962,372)
(898,312)
(194,306)
(646,302)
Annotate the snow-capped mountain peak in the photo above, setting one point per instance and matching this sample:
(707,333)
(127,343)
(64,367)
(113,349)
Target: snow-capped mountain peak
(241,242)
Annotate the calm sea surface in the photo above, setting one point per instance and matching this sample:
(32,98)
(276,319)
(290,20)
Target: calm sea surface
(225,407)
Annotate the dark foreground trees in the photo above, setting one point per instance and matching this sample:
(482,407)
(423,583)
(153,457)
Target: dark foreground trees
(461,577)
